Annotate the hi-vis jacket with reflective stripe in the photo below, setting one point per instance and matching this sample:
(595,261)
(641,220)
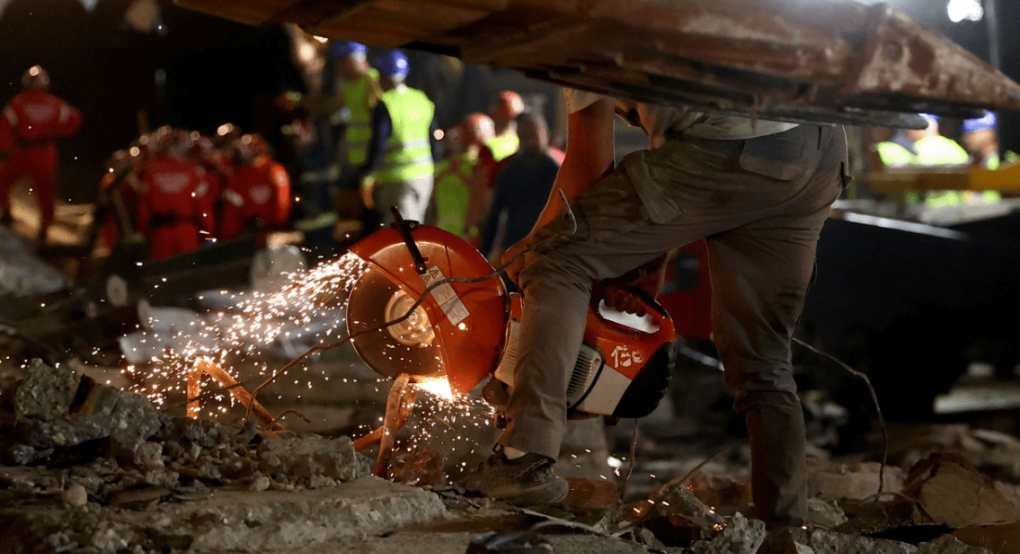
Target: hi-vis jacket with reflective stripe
(409,149)
(360,97)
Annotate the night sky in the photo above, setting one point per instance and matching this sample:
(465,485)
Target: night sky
(218,71)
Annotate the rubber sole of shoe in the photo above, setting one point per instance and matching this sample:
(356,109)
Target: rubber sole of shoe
(552,492)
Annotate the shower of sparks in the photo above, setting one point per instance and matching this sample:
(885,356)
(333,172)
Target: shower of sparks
(308,311)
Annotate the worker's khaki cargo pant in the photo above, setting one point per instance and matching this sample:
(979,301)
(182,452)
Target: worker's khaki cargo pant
(760,203)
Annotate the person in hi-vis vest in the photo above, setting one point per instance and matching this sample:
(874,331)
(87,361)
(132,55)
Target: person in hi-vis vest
(404,148)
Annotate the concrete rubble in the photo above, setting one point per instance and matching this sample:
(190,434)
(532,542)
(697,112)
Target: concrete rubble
(92,469)
(120,475)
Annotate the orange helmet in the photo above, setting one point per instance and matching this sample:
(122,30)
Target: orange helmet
(507,105)
(35,77)
(477,128)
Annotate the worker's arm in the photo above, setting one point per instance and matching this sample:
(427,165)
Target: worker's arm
(589,157)
(382,128)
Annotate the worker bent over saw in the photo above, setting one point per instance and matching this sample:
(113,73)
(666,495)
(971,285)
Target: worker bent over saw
(758,192)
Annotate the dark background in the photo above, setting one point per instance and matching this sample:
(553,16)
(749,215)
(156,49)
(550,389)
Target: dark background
(218,71)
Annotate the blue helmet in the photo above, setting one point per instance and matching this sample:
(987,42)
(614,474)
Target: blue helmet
(344,48)
(986,121)
(392,63)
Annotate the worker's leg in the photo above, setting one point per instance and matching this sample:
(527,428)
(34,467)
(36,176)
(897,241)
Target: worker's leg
(760,277)
(42,168)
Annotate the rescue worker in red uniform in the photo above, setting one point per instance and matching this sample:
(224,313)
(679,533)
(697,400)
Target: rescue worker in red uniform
(257,194)
(176,200)
(29,124)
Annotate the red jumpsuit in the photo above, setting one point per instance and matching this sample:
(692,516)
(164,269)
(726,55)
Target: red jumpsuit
(175,206)
(260,190)
(28,126)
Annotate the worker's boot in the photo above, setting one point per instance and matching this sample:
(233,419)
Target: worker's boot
(6,219)
(525,481)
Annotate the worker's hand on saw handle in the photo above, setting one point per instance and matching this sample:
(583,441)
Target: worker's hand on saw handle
(631,291)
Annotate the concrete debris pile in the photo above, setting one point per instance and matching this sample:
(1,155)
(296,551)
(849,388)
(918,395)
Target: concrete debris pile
(71,443)
(941,505)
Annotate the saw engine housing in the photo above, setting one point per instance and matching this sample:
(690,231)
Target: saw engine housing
(469,331)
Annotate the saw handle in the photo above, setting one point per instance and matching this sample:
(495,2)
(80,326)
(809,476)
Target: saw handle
(404,228)
(659,316)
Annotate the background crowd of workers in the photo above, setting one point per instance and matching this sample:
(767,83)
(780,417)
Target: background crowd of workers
(177,189)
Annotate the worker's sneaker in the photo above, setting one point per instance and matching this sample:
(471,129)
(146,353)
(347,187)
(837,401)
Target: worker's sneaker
(525,481)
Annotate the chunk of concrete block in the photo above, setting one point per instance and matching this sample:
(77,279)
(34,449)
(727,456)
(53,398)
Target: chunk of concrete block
(46,393)
(948,544)
(998,539)
(737,536)
(956,495)
(836,482)
(306,457)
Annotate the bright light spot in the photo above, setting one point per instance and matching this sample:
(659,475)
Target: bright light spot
(323,40)
(439,387)
(969,10)
(439,134)
(614,462)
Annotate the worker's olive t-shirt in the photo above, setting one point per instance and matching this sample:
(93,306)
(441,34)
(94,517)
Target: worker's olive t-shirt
(657,120)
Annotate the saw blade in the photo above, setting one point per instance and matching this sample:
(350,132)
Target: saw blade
(407,347)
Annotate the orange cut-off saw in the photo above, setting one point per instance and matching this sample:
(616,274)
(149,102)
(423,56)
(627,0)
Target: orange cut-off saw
(467,329)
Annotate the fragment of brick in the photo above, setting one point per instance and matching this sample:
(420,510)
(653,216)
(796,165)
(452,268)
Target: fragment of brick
(955,494)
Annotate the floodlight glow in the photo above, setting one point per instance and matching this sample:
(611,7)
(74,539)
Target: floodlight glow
(969,10)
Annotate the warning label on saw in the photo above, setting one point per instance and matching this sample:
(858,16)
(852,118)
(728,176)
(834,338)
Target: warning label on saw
(445,296)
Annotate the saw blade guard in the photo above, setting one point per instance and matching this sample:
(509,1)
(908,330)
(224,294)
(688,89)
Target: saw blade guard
(457,332)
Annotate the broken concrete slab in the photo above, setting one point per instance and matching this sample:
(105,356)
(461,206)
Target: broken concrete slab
(738,535)
(954,494)
(826,513)
(871,517)
(998,539)
(236,521)
(314,461)
(838,481)
(54,407)
(822,541)
(949,544)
